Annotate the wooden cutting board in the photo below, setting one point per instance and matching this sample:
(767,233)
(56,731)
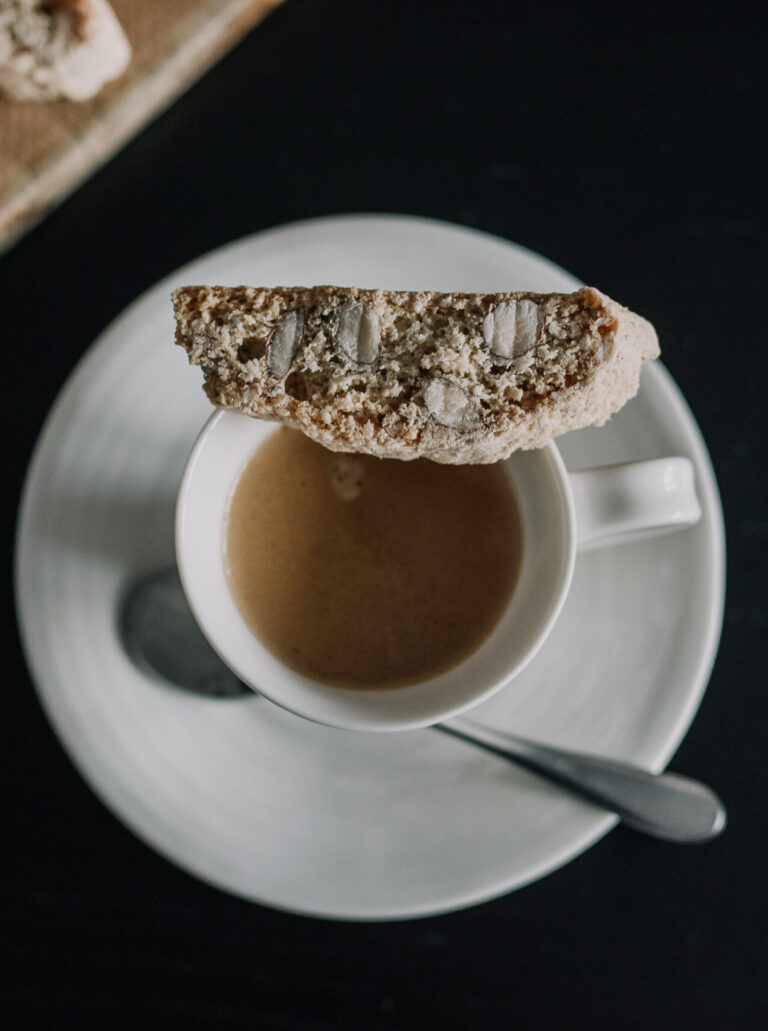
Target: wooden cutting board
(46,150)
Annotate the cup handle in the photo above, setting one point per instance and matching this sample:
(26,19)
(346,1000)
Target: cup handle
(619,503)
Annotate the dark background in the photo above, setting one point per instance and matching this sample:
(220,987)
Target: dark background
(629,148)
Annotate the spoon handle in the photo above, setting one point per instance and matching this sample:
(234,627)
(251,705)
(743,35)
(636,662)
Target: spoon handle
(664,805)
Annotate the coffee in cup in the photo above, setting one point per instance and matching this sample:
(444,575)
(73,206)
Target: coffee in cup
(364,572)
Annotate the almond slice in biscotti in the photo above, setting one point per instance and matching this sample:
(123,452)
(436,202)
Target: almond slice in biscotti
(456,378)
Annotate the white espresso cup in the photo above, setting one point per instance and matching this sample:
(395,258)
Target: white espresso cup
(562,513)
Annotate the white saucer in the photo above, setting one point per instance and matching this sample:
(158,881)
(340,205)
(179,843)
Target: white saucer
(259,802)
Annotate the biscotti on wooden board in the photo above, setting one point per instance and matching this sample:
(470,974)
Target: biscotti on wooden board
(59,49)
(452,377)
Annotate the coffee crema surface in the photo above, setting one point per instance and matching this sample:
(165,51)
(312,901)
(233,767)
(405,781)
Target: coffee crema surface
(369,573)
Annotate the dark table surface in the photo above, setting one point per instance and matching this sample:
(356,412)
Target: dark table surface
(629,148)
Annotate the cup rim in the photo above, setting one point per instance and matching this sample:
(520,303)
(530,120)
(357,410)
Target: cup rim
(355,716)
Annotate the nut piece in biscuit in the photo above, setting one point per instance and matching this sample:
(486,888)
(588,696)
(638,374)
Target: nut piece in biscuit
(512,328)
(357,333)
(284,342)
(451,406)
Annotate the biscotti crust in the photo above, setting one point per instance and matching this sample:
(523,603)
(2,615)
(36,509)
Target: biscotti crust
(584,366)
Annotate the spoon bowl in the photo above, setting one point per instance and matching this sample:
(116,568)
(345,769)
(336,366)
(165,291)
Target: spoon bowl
(161,636)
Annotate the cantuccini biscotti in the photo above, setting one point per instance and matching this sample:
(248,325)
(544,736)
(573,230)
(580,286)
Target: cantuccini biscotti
(452,377)
(59,49)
